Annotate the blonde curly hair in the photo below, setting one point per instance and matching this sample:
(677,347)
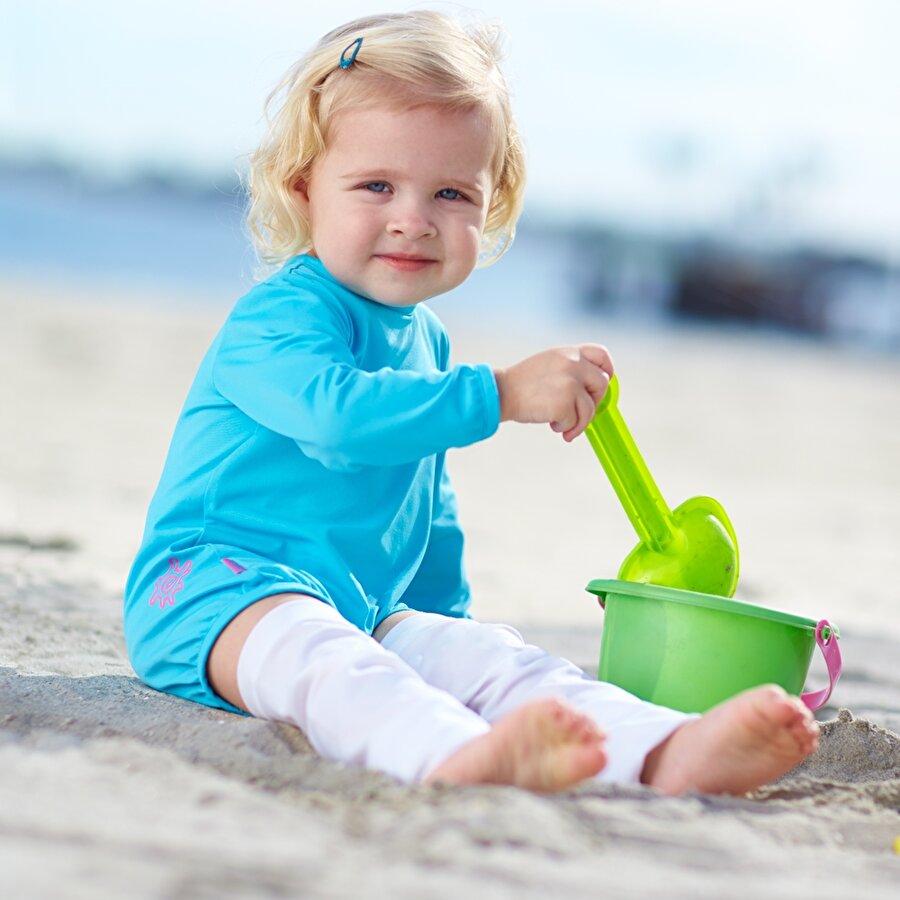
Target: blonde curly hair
(405,60)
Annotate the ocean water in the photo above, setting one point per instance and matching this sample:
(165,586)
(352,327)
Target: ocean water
(143,234)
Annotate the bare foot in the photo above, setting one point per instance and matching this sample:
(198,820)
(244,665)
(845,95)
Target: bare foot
(542,746)
(737,746)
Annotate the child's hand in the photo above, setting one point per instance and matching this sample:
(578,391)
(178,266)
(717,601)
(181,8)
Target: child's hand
(562,386)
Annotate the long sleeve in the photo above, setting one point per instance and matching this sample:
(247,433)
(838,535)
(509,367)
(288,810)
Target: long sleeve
(296,371)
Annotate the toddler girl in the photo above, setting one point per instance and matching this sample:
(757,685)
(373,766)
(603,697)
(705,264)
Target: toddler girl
(302,559)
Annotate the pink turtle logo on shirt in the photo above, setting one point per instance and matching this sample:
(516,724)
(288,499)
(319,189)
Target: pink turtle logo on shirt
(170,584)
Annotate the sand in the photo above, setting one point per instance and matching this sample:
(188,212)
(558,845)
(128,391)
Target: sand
(109,789)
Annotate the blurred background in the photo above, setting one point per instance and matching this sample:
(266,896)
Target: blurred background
(713,193)
(687,158)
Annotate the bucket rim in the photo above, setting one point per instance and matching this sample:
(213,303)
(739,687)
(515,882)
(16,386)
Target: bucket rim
(602,587)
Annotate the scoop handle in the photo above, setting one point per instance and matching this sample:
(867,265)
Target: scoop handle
(631,479)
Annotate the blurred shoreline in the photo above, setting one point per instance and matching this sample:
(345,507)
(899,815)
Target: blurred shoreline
(167,232)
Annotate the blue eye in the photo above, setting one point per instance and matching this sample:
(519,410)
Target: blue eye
(450,194)
(377,187)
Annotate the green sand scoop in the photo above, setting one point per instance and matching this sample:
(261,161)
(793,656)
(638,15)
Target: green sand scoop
(692,547)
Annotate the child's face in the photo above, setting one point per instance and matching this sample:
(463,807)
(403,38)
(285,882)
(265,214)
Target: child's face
(397,204)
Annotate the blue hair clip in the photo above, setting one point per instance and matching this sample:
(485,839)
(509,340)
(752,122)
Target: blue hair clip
(352,50)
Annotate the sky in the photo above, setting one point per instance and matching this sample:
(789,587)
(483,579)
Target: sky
(770,118)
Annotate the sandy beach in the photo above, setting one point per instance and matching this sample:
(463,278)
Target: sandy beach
(109,789)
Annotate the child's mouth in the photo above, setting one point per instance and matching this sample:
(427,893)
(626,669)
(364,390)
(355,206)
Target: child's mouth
(406,263)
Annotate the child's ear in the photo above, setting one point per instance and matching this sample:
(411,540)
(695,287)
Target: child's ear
(301,191)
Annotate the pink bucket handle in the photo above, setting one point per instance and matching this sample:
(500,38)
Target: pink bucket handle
(830,650)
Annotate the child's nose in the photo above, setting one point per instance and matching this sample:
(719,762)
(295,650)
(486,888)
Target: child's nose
(411,221)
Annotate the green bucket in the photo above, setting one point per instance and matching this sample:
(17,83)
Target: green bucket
(690,651)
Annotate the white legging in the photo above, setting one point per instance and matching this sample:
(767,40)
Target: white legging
(433,685)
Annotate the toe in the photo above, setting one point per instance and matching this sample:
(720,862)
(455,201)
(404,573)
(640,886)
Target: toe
(779,707)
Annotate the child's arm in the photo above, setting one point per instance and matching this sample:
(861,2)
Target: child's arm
(562,386)
(291,369)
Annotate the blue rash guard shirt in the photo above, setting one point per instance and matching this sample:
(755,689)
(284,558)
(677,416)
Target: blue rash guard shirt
(309,457)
